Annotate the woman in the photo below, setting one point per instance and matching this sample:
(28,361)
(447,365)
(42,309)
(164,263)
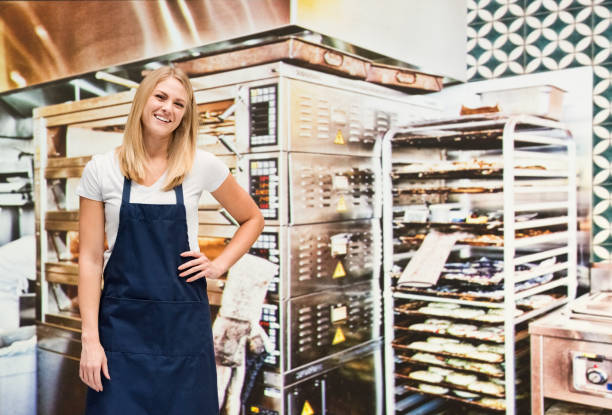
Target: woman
(146,338)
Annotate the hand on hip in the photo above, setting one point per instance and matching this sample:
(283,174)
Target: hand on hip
(199,267)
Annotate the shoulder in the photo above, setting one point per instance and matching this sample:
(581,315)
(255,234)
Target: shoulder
(104,161)
(95,176)
(102,167)
(207,161)
(208,170)
(202,156)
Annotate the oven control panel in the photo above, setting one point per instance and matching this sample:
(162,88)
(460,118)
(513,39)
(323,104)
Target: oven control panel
(263,115)
(592,373)
(263,186)
(270,321)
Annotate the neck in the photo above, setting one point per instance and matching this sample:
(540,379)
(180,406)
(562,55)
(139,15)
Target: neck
(156,148)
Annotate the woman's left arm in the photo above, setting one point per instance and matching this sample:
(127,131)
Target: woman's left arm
(241,206)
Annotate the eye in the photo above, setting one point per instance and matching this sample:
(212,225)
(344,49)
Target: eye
(180,104)
(159,96)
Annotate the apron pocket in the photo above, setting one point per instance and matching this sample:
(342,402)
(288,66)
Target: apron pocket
(171,328)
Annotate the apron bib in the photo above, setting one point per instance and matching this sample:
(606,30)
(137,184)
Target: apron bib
(155,327)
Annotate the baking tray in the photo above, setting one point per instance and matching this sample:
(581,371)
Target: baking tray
(477,228)
(597,304)
(468,173)
(445,190)
(491,240)
(417,313)
(402,344)
(540,100)
(523,334)
(445,294)
(468,132)
(404,374)
(463,293)
(455,398)
(313,55)
(442,363)
(414,241)
(443,333)
(485,139)
(402,78)
(291,49)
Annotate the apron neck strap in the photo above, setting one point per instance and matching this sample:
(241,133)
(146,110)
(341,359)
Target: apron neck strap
(127,187)
(178,191)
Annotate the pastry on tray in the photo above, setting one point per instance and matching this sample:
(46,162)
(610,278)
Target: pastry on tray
(426,376)
(486,387)
(494,403)
(438,390)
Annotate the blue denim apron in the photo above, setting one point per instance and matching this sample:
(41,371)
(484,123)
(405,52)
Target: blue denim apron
(154,327)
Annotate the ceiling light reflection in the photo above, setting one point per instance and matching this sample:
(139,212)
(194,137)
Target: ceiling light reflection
(86,86)
(171,27)
(18,79)
(116,79)
(189,20)
(41,32)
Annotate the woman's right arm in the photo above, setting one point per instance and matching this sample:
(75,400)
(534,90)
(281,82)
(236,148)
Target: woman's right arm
(91,261)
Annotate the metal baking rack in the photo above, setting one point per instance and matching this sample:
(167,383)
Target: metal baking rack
(534,177)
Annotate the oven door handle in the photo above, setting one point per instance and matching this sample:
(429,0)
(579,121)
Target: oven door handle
(230,147)
(323,396)
(229,217)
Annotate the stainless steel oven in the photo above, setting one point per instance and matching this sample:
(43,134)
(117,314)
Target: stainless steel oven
(300,188)
(305,146)
(316,257)
(281,107)
(350,382)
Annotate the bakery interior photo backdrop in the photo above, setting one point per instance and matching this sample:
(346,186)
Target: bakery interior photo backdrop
(435,180)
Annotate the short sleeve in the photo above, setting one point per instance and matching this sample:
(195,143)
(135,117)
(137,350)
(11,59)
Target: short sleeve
(215,171)
(90,186)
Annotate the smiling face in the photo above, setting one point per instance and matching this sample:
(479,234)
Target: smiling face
(164,109)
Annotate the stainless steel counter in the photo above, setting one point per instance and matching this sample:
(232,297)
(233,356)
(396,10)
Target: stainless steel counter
(571,360)
(559,324)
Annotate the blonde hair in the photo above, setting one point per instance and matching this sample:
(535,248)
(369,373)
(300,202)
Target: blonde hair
(182,146)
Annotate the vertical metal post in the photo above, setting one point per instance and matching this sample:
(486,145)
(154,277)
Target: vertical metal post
(572,220)
(387,230)
(40,158)
(509,253)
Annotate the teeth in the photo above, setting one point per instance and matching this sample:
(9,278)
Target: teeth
(161,118)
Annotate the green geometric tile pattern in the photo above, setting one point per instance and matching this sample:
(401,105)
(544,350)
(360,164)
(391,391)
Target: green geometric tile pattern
(510,37)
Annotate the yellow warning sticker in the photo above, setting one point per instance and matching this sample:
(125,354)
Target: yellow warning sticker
(338,337)
(307,409)
(339,138)
(589,355)
(339,272)
(341,206)
(254,409)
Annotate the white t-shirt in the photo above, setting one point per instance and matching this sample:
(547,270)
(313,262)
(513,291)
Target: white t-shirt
(102,181)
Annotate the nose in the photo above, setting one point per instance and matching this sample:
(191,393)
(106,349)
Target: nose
(167,105)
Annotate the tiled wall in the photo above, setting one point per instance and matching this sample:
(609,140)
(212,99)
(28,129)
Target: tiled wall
(512,37)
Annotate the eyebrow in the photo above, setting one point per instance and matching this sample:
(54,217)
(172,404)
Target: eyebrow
(161,91)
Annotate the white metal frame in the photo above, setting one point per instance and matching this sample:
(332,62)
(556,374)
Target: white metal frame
(509,155)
